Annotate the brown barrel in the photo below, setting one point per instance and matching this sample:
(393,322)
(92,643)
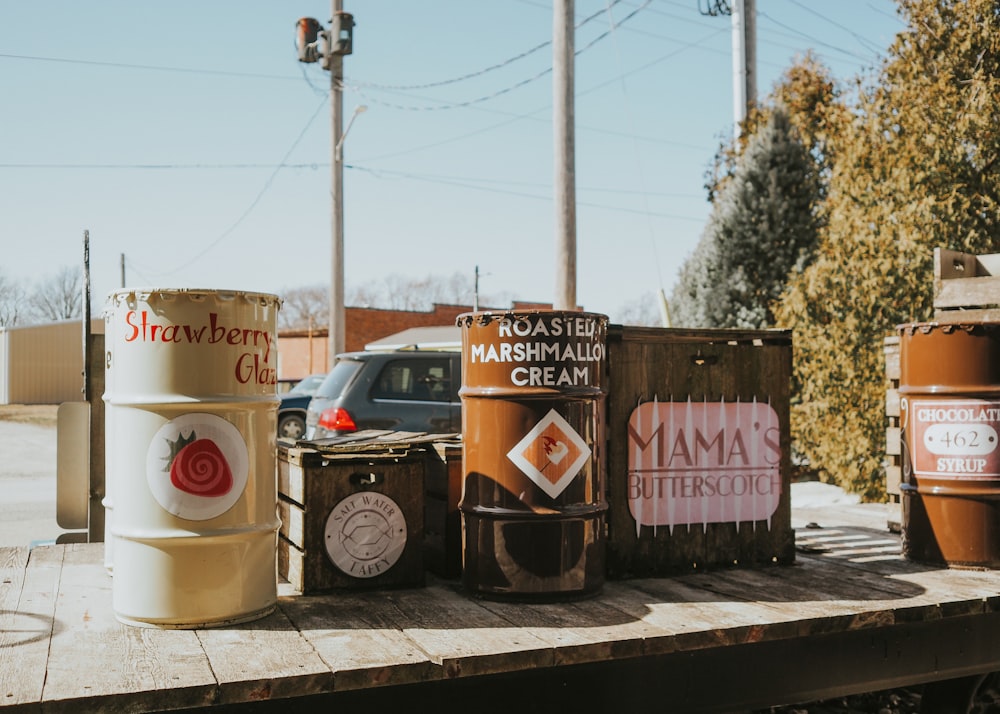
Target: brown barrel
(950,416)
(533,503)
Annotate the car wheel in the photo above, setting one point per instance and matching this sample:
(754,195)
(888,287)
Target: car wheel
(291,426)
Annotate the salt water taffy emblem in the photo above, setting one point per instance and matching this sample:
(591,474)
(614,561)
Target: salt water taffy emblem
(197,466)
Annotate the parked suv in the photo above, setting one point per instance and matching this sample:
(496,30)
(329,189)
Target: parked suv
(398,391)
(293,405)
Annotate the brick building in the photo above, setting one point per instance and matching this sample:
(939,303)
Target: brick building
(304,352)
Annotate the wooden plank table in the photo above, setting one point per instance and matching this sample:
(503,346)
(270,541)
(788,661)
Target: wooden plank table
(851,615)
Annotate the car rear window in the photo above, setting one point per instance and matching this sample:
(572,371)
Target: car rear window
(338,379)
(424,380)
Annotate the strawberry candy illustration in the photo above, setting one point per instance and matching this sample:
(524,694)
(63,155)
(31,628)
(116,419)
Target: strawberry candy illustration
(198,466)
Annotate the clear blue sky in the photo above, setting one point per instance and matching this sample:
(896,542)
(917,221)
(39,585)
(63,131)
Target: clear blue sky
(187,136)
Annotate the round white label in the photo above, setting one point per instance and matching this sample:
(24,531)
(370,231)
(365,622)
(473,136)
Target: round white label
(365,534)
(197,466)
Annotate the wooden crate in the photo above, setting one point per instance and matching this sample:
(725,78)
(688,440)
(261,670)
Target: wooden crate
(657,371)
(893,442)
(966,286)
(966,289)
(351,519)
(442,519)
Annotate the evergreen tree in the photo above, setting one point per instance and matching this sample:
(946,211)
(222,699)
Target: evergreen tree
(763,229)
(916,169)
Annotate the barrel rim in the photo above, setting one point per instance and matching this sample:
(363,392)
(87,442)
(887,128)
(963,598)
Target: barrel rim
(911,328)
(486,316)
(144,293)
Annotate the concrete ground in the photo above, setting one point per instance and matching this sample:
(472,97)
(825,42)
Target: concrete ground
(27,484)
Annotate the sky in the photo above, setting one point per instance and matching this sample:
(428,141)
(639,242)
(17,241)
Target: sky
(190,144)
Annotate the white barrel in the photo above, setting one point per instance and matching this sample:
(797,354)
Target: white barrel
(191,420)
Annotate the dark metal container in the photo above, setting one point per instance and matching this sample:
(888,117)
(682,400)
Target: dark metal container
(533,503)
(950,411)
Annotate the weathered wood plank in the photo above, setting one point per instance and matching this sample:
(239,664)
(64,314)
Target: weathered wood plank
(954,591)
(28,589)
(284,664)
(965,316)
(464,637)
(97,662)
(358,643)
(921,595)
(893,442)
(967,292)
(890,348)
(592,630)
(822,603)
(892,403)
(698,618)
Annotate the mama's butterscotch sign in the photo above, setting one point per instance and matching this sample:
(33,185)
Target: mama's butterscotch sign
(703,462)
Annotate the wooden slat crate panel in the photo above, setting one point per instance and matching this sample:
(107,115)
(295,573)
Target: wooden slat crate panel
(967,292)
(647,364)
(892,438)
(313,484)
(966,286)
(893,445)
(442,519)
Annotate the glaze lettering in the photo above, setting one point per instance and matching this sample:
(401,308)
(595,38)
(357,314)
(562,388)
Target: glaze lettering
(252,367)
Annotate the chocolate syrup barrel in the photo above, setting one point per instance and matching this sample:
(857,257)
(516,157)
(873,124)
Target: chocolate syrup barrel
(191,411)
(950,412)
(533,502)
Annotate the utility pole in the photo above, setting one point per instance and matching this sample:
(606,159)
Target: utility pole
(475,292)
(744,60)
(329,47)
(565,167)
(86,316)
(335,65)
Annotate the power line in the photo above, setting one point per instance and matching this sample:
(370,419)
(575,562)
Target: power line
(160,167)
(797,33)
(148,67)
(256,200)
(485,70)
(498,93)
(864,41)
(463,183)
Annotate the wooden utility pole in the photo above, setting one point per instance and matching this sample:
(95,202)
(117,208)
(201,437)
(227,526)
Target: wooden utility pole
(338,334)
(565,166)
(744,60)
(336,42)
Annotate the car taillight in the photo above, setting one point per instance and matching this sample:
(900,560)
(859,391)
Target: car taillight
(337,419)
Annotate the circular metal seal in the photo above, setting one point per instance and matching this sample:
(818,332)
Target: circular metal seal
(365,534)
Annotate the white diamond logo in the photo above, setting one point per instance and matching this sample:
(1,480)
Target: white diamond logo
(551,454)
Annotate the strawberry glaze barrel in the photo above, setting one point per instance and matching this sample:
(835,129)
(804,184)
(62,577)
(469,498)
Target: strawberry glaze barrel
(950,417)
(533,502)
(191,428)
